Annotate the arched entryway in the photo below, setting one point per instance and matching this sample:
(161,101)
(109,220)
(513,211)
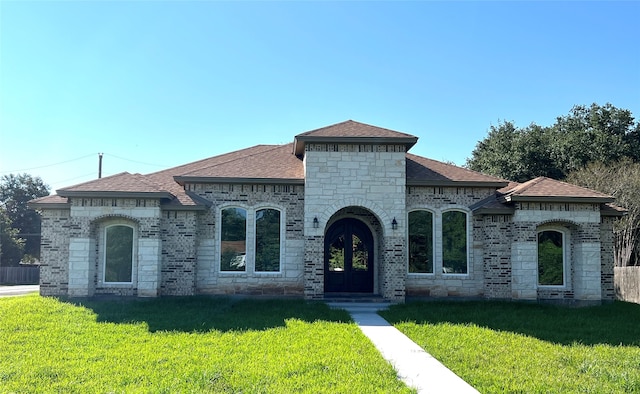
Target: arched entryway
(348,257)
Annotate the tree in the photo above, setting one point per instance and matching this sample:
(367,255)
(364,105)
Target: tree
(603,134)
(622,181)
(15,192)
(11,247)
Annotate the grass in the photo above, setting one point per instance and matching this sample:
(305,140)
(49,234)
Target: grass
(185,345)
(504,347)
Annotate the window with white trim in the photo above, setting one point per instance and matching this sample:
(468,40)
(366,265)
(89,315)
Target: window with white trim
(233,239)
(250,239)
(118,253)
(267,240)
(454,242)
(421,250)
(551,257)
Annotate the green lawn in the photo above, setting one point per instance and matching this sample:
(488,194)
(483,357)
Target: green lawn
(195,344)
(503,347)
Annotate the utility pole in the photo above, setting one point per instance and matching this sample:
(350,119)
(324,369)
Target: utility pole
(99,165)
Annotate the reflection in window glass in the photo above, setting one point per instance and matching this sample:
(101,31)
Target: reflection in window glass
(233,240)
(336,255)
(550,258)
(454,242)
(360,258)
(268,240)
(421,242)
(118,260)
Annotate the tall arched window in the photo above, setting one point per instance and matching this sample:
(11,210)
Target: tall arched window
(454,242)
(267,239)
(233,240)
(551,258)
(421,242)
(118,254)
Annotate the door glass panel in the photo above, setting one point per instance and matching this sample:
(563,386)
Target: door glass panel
(336,258)
(360,255)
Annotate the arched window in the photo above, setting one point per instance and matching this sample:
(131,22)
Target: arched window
(233,240)
(118,254)
(454,242)
(421,242)
(551,258)
(267,239)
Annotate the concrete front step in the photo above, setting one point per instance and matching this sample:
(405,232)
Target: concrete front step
(358,307)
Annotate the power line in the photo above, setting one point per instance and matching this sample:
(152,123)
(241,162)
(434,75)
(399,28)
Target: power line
(48,165)
(135,161)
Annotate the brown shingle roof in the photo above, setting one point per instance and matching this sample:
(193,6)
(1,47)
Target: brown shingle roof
(423,171)
(351,128)
(278,163)
(125,184)
(547,189)
(267,163)
(53,201)
(353,132)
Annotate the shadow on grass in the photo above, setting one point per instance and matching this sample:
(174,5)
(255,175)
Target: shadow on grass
(203,314)
(614,324)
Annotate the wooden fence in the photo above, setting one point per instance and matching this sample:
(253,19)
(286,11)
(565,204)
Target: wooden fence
(25,275)
(627,283)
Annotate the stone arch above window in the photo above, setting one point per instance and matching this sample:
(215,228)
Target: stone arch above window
(420,239)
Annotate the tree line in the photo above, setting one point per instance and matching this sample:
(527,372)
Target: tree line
(593,146)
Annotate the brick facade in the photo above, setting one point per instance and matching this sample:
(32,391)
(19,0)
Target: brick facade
(178,247)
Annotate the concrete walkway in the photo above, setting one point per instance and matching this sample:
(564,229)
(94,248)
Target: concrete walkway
(6,291)
(415,367)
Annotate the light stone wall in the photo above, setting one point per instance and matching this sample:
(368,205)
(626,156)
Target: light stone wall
(71,254)
(367,176)
(581,222)
(439,200)
(289,199)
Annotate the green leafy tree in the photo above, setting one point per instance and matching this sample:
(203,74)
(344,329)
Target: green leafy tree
(596,133)
(11,246)
(15,193)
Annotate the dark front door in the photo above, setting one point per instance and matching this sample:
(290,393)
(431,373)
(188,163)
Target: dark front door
(348,257)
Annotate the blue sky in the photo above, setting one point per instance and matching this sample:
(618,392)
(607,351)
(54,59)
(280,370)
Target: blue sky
(158,84)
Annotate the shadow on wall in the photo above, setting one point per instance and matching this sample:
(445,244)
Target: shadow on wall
(207,313)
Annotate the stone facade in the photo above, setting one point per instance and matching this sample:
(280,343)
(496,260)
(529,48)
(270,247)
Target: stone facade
(371,177)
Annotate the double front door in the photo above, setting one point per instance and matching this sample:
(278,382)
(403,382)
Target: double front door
(348,257)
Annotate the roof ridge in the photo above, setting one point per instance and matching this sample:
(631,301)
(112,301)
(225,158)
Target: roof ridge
(96,180)
(272,148)
(149,182)
(528,184)
(351,121)
(207,158)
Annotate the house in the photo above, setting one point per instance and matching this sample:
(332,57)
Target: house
(342,210)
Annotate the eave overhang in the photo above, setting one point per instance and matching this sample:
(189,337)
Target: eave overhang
(182,180)
(560,199)
(496,185)
(115,194)
(55,205)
